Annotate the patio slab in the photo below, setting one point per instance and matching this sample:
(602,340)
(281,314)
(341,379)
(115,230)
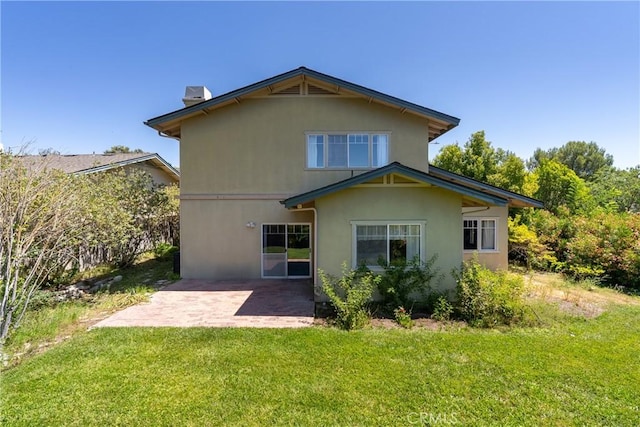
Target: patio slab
(228,303)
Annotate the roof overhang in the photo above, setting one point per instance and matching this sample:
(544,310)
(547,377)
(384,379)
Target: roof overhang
(514,200)
(170,124)
(479,197)
(153,159)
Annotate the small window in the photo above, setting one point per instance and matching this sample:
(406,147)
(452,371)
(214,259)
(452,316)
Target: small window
(337,151)
(359,151)
(390,243)
(380,151)
(341,151)
(479,235)
(315,151)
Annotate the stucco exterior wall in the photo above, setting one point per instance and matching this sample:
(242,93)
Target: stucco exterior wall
(157,175)
(239,161)
(259,145)
(436,207)
(215,241)
(499,259)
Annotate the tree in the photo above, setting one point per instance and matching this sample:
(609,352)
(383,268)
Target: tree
(38,225)
(617,189)
(48,152)
(127,214)
(477,159)
(585,159)
(559,186)
(122,149)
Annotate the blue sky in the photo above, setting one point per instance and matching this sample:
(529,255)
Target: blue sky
(81,77)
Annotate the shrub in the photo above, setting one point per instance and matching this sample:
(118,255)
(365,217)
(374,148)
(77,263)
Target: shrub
(443,309)
(403,317)
(486,298)
(607,247)
(42,299)
(164,250)
(525,247)
(403,280)
(350,296)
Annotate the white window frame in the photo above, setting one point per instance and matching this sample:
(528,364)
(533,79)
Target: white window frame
(286,257)
(479,229)
(376,267)
(325,148)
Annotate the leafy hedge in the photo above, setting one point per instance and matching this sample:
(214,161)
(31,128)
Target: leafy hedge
(603,245)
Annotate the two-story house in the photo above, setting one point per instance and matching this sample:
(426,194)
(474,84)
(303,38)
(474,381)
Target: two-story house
(303,171)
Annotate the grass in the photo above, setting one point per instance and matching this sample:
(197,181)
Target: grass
(580,373)
(49,325)
(576,370)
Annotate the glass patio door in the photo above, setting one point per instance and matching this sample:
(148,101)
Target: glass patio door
(286,250)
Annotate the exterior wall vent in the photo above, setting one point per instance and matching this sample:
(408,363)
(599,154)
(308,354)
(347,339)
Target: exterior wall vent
(315,90)
(195,95)
(293,90)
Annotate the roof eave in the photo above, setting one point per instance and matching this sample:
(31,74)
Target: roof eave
(170,170)
(385,170)
(509,195)
(157,122)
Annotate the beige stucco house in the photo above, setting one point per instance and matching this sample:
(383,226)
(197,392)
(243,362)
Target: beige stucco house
(160,171)
(304,171)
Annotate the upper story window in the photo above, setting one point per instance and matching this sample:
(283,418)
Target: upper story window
(479,234)
(347,150)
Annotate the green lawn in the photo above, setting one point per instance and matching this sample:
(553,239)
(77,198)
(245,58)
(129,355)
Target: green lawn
(46,325)
(579,372)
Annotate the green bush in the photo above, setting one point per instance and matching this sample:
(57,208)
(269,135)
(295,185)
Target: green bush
(603,245)
(608,248)
(350,296)
(403,317)
(443,309)
(164,250)
(403,281)
(486,298)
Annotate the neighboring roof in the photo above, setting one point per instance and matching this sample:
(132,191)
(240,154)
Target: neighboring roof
(515,200)
(488,195)
(92,163)
(169,124)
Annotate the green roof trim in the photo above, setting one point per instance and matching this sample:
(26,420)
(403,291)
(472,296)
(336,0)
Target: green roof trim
(509,195)
(156,121)
(398,168)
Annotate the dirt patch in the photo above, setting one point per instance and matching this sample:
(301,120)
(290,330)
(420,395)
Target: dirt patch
(580,300)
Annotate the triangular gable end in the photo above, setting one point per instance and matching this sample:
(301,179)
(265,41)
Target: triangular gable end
(303,82)
(406,176)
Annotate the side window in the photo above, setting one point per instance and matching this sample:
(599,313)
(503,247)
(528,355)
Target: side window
(470,234)
(315,151)
(380,150)
(479,234)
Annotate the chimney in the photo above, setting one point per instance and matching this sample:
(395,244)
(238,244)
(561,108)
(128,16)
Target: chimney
(195,94)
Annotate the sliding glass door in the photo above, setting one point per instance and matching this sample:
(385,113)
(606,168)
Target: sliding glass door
(286,250)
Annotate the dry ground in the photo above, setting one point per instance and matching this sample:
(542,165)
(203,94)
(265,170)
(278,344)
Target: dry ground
(583,298)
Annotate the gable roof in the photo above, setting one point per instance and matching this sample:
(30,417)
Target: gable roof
(81,164)
(515,200)
(169,124)
(485,195)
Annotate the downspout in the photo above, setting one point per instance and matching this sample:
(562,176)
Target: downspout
(315,240)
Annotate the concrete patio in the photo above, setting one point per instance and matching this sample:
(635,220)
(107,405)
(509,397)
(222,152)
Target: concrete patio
(230,303)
